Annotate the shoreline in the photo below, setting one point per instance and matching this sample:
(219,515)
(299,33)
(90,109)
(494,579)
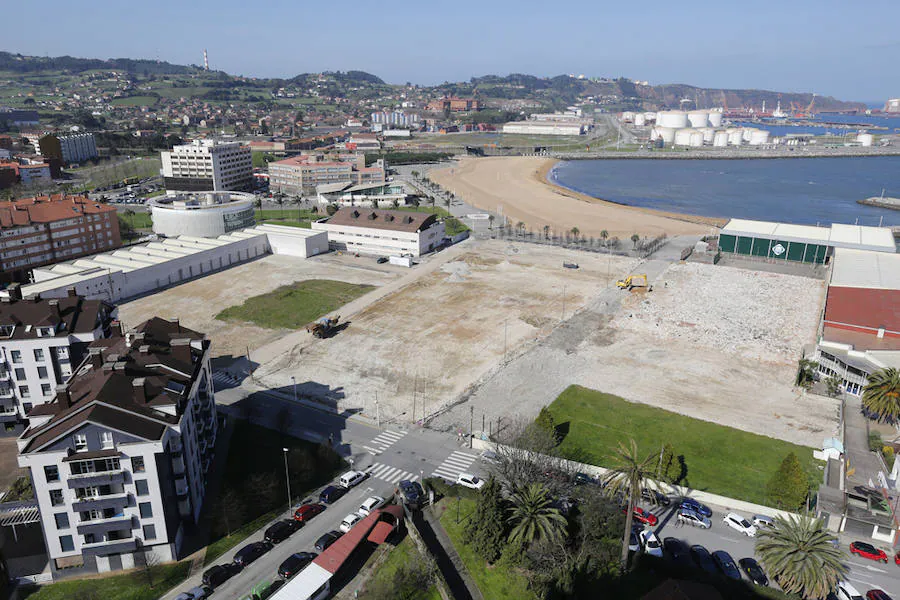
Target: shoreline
(732,154)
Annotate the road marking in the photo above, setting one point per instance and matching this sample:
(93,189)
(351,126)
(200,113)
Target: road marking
(454,464)
(383,441)
(372,451)
(875,569)
(390,474)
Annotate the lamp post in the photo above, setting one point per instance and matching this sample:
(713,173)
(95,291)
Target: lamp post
(287,478)
(294,383)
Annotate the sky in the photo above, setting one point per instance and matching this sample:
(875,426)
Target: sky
(820,46)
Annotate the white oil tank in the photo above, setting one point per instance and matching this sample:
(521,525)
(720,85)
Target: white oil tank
(639,120)
(759,137)
(708,134)
(735,137)
(650,117)
(666,134)
(676,119)
(696,138)
(628,117)
(720,140)
(747,132)
(698,118)
(715,118)
(865,139)
(683,137)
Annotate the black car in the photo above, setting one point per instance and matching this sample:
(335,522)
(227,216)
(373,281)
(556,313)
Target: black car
(251,552)
(655,497)
(381,260)
(282,530)
(677,551)
(326,540)
(584,479)
(754,571)
(703,559)
(295,563)
(332,494)
(726,564)
(219,574)
(697,507)
(413,494)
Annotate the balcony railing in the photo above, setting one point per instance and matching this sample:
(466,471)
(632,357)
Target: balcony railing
(96,479)
(119,501)
(6,392)
(108,547)
(95,526)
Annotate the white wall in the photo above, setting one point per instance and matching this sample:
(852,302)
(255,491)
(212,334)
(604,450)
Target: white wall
(369,240)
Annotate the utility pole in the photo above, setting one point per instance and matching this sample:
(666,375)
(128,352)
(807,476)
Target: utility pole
(287,478)
(377,413)
(294,382)
(471,424)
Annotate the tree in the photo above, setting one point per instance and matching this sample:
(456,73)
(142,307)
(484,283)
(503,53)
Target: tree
(788,487)
(806,372)
(262,490)
(279,200)
(230,508)
(626,477)
(488,533)
(546,232)
(881,396)
(546,422)
(148,561)
(833,386)
(666,464)
(258,205)
(415,174)
(635,238)
(491,221)
(409,582)
(395,203)
(532,515)
(800,553)
(604,234)
(331,209)
(575,231)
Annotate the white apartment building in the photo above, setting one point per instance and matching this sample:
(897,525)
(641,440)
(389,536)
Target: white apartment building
(383,232)
(207,166)
(119,459)
(40,341)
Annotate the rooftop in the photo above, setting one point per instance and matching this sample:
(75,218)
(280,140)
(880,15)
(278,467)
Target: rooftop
(46,209)
(880,239)
(865,269)
(394,220)
(20,319)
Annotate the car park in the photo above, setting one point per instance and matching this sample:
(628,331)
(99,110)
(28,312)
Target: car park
(866,550)
(295,563)
(703,559)
(215,576)
(644,516)
(349,521)
(281,530)
(698,507)
(677,551)
(326,540)
(877,595)
(650,543)
(307,511)
(655,497)
(332,494)
(411,493)
(369,504)
(689,517)
(763,522)
(470,481)
(739,523)
(753,571)
(351,478)
(251,552)
(845,591)
(726,564)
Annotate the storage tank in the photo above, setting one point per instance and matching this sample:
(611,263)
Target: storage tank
(715,118)
(696,138)
(759,137)
(698,118)
(666,134)
(708,135)
(639,120)
(720,140)
(683,137)
(735,137)
(747,132)
(628,117)
(676,119)
(650,116)
(865,139)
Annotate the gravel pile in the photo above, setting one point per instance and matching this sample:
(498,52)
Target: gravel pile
(762,316)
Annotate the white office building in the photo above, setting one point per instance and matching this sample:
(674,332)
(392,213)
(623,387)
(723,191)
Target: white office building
(206,166)
(383,232)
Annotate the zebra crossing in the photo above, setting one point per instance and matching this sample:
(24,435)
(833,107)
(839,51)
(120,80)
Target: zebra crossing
(453,465)
(385,440)
(225,379)
(390,474)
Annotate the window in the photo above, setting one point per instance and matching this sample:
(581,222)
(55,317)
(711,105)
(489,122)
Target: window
(51,472)
(66,543)
(38,354)
(62,520)
(56,498)
(137,464)
(106,439)
(20,374)
(42,372)
(23,392)
(16,356)
(45,389)
(146,510)
(80,442)
(149,532)
(141,486)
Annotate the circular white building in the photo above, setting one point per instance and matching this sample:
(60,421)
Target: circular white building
(202,214)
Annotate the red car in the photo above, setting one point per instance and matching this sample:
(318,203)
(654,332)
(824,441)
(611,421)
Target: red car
(868,551)
(897,558)
(877,595)
(307,512)
(644,516)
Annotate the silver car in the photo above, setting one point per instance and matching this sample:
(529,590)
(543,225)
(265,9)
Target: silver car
(690,517)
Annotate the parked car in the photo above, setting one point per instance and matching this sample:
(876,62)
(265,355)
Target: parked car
(689,517)
(215,576)
(412,493)
(753,571)
(739,523)
(491,457)
(349,521)
(351,478)
(584,478)
(763,522)
(651,543)
(634,543)
(869,551)
(877,595)
(307,512)
(369,504)
(677,551)
(726,564)
(282,530)
(655,497)
(703,559)
(470,481)
(326,540)
(381,260)
(332,494)
(295,563)
(251,552)
(845,591)
(644,516)
(698,507)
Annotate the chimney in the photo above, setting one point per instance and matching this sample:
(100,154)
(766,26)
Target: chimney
(177,322)
(181,349)
(140,390)
(54,305)
(64,396)
(880,332)
(71,293)
(96,357)
(15,291)
(144,349)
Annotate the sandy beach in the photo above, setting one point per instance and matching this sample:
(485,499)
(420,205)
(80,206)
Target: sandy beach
(517,187)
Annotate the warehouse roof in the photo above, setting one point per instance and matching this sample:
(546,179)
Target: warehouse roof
(865,269)
(879,239)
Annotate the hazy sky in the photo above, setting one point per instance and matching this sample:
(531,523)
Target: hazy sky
(821,46)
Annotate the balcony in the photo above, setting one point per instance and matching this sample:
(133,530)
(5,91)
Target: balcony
(109,547)
(4,374)
(6,391)
(96,479)
(182,490)
(178,466)
(100,526)
(116,501)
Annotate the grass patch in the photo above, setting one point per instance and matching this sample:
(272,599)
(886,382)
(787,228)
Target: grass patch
(139,220)
(398,557)
(301,224)
(717,459)
(128,586)
(19,490)
(496,583)
(134,101)
(452,225)
(227,542)
(293,306)
(292,217)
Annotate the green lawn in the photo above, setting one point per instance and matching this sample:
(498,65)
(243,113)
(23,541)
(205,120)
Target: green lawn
(129,586)
(495,582)
(295,217)
(300,224)
(718,459)
(452,225)
(134,101)
(399,556)
(293,306)
(139,220)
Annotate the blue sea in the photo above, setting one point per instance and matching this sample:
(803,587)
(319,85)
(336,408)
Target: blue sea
(793,190)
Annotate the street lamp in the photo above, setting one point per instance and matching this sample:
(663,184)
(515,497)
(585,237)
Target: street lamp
(294,383)
(287,478)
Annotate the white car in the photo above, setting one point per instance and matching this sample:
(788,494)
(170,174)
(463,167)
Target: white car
(739,523)
(470,481)
(370,504)
(651,543)
(763,522)
(845,591)
(349,521)
(351,478)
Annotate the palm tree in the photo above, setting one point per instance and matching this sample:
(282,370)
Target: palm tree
(806,372)
(635,238)
(279,200)
(258,205)
(881,396)
(547,232)
(603,235)
(799,552)
(491,221)
(627,476)
(532,515)
(575,231)
(415,174)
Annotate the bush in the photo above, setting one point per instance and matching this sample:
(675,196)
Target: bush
(875,442)
(442,489)
(888,453)
(789,486)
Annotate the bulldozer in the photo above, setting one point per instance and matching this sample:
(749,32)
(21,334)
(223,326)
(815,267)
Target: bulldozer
(632,281)
(323,327)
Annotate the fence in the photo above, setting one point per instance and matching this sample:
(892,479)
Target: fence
(642,248)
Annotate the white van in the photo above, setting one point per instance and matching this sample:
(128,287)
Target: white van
(351,478)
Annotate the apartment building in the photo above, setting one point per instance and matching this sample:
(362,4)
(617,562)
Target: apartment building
(206,166)
(300,175)
(47,229)
(453,104)
(40,341)
(119,459)
(69,148)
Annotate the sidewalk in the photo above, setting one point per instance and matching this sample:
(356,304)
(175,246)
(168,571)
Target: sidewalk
(864,465)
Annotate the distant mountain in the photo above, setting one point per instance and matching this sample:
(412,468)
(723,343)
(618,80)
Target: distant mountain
(19,63)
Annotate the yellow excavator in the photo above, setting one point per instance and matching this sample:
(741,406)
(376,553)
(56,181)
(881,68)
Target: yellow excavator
(632,281)
(323,327)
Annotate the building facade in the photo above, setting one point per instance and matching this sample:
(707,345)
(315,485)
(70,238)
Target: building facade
(383,232)
(40,341)
(119,460)
(19,118)
(70,148)
(301,175)
(206,166)
(202,214)
(48,229)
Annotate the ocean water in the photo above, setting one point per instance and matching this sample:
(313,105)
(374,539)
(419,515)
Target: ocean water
(793,190)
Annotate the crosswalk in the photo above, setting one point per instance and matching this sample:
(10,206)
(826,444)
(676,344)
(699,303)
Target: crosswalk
(224,378)
(385,440)
(454,464)
(390,474)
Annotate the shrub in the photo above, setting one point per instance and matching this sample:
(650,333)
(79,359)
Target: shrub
(888,453)
(789,487)
(875,442)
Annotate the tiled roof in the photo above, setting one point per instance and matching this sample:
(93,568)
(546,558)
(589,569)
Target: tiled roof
(78,314)
(863,307)
(47,209)
(394,220)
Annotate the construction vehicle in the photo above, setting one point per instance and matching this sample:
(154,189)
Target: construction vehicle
(632,281)
(323,327)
